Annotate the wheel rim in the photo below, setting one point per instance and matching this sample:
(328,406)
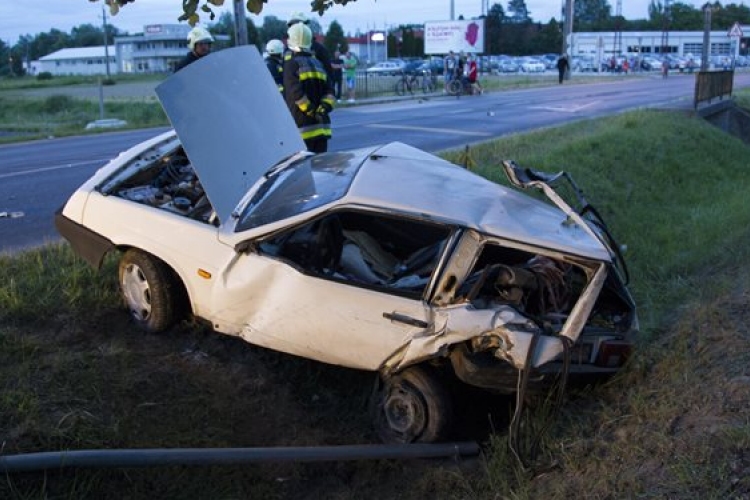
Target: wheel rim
(404,412)
(137,292)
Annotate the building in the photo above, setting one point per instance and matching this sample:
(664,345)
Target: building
(156,50)
(79,61)
(680,43)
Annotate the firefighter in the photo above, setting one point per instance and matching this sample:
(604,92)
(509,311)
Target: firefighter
(199,42)
(275,62)
(317,48)
(307,91)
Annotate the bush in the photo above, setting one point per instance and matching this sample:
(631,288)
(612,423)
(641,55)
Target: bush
(44,75)
(108,81)
(57,103)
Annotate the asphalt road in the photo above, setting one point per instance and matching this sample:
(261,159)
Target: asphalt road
(37,177)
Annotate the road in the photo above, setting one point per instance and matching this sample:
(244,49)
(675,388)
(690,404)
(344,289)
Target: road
(37,177)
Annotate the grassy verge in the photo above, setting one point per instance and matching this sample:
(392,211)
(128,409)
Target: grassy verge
(31,82)
(61,115)
(74,374)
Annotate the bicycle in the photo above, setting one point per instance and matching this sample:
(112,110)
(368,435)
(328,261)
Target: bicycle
(460,85)
(410,82)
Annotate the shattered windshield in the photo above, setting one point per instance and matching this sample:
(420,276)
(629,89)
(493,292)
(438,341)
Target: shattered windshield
(303,186)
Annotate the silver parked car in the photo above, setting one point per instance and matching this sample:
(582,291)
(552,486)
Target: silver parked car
(386,259)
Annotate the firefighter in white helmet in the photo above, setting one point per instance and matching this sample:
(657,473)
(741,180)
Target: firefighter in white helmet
(199,42)
(275,62)
(317,48)
(306,90)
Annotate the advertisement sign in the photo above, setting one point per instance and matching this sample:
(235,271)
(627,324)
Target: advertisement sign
(440,37)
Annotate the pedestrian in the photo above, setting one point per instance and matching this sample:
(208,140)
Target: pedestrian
(275,62)
(562,67)
(337,63)
(664,68)
(472,74)
(199,42)
(461,65)
(449,68)
(306,90)
(350,73)
(625,66)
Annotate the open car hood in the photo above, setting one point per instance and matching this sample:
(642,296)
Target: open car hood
(232,122)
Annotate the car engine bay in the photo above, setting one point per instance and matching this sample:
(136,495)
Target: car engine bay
(169,183)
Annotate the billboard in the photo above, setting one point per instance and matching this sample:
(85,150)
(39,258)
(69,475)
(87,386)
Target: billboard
(440,37)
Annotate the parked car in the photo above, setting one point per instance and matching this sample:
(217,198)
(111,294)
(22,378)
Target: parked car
(413,66)
(583,64)
(371,259)
(387,68)
(507,65)
(531,65)
(649,63)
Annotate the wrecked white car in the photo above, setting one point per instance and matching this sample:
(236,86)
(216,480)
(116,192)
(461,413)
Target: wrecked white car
(386,259)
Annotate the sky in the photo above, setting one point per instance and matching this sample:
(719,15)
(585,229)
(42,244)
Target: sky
(29,17)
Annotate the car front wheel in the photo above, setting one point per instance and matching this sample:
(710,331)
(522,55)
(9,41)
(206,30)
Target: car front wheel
(150,290)
(412,406)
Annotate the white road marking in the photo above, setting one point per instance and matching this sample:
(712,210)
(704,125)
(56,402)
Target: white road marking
(449,131)
(55,167)
(567,109)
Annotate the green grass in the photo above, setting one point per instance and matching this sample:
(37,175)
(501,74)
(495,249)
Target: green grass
(675,424)
(31,82)
(62,115)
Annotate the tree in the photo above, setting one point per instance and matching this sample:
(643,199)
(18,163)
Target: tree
(273,28)
(519,13)
(730,14)
(679,17)
(191,8)
(548,39)
(591,15)
(5,59)
(335,39)
(225,26)
(492,27)
(88,35)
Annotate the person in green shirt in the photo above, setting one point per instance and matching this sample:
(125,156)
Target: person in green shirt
(350,71)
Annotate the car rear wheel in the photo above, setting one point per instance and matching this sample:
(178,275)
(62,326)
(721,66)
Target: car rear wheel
(150,290)
(412,406)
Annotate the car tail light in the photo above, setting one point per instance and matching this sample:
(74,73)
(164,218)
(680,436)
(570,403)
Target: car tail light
(613,353)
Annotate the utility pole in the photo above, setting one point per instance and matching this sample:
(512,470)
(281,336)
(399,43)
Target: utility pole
(106,43)
(240,23)
(453,10)
(567,27)
(707,9)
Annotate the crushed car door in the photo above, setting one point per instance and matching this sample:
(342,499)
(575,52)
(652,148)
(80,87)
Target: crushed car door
(346,288)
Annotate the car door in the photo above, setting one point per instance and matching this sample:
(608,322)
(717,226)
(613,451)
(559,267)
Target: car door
(345,289)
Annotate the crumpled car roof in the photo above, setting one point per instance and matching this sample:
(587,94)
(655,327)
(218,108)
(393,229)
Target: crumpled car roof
(403,178)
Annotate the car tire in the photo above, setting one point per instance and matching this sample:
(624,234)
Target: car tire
(410,407)
(151,291)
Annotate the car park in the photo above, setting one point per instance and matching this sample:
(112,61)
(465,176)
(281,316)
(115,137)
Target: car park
(386,259)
